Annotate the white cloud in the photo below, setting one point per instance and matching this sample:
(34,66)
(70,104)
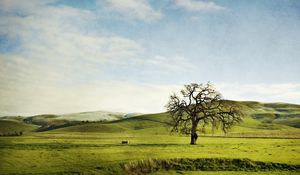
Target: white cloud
(58,67)
(23,6)
(194,5)
(285,92)
(135,9)
(53,36)
(170,63)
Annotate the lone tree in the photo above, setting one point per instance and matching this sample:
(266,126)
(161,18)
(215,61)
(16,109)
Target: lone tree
(201,105)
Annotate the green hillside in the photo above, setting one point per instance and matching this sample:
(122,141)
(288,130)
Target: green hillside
(8,127)
(273,113)
(82,116)
(150,123)
(95,147)
(260,120)
(93,116)
(51,121)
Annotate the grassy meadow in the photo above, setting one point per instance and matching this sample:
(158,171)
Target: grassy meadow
(269,133)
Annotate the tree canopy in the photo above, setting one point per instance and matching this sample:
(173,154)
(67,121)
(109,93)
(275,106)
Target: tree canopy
(201,105)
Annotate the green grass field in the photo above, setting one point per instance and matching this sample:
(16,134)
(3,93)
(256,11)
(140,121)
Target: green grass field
(224,173)
(95,148)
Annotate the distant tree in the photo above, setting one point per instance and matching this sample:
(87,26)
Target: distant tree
(201,105)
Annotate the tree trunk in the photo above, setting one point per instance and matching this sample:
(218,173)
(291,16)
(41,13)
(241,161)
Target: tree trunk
(194,135)
(193,140)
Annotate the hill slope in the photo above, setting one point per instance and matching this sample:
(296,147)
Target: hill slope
(272,113)
(50,121)
(150,123)
(261,120)
(10,127)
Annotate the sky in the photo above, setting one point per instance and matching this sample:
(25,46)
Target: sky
(65,56)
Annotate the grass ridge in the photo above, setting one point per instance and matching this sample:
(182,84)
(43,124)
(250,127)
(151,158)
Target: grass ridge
(204,164)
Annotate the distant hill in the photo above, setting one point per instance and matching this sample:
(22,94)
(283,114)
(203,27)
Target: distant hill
(9,127)
(52,121)
(272,113)
(93,116)
(261,119)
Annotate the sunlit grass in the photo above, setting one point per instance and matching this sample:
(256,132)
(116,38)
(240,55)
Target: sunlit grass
(77,152)
(95,148)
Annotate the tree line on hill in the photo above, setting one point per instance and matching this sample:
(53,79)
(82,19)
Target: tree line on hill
(12,134)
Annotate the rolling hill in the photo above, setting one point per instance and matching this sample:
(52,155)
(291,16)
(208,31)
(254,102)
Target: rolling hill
(50,121)
(261,120)
(47,122)
(10,127)
(95,147)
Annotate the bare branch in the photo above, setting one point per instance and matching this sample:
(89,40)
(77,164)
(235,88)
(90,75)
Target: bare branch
(201,103)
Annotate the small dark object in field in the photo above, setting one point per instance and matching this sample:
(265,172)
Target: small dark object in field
(125,142)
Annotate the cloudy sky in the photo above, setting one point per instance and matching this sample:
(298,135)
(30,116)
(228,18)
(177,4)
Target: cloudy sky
(62,56)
